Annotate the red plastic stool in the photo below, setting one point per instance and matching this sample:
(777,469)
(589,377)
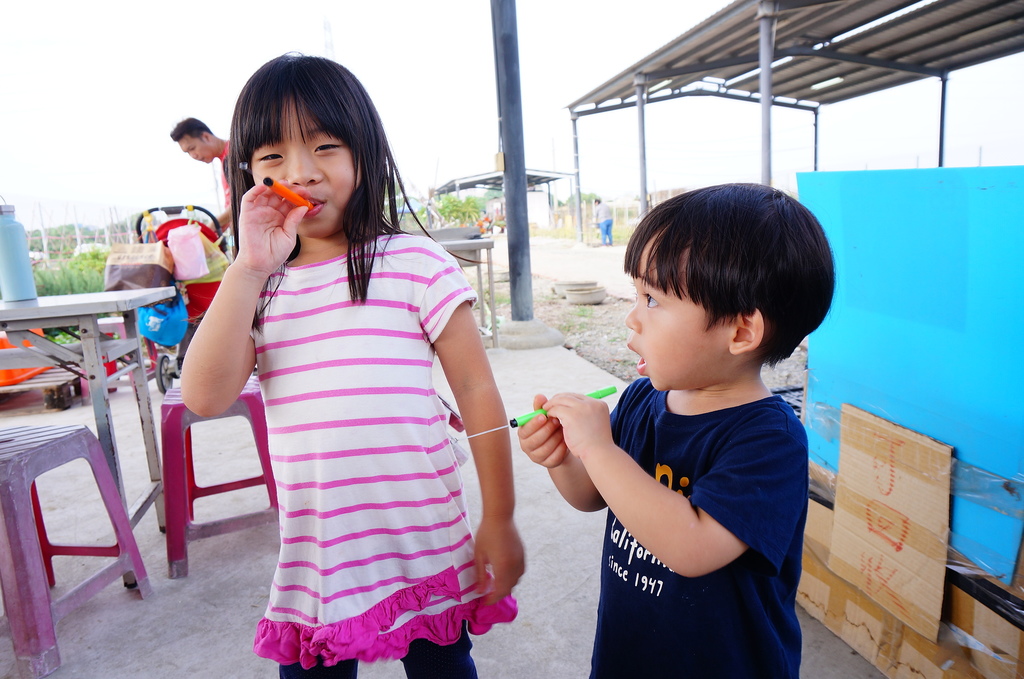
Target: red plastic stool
(26,573)
(180,488)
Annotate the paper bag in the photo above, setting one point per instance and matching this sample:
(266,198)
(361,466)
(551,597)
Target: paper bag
(134,266)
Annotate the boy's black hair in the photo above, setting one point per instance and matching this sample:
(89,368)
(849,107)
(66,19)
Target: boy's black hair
(324,96)
(189,127)
(734,248)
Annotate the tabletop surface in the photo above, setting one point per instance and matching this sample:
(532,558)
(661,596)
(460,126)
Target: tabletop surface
(467,244)
(54,306)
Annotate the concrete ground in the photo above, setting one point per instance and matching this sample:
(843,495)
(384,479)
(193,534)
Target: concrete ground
(202,625)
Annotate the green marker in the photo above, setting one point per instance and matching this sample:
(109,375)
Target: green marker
(523,419)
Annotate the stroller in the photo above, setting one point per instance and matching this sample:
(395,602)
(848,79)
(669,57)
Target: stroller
(167,360)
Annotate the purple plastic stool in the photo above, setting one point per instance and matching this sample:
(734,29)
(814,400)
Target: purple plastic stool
(180,488)
(25,454)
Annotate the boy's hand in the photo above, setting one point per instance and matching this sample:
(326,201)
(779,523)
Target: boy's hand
(585,422)
(541,438)
(499,553)
(267,226)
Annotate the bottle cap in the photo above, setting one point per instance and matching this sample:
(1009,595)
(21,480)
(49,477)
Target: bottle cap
(6,209)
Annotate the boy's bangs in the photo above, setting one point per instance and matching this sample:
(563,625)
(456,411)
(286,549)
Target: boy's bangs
(657,264)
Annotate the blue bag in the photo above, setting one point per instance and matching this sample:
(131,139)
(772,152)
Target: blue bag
(164,323)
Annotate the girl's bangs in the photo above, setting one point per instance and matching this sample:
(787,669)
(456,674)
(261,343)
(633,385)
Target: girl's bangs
(279,96)
(273,118)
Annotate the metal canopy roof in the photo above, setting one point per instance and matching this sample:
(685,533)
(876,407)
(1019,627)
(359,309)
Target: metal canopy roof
(859,46)
(495,180)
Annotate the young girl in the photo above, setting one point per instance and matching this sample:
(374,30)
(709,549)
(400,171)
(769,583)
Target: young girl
(342,314)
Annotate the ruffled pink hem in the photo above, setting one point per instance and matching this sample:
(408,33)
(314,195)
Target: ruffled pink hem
(364,638)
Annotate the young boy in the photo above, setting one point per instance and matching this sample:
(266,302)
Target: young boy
(702,469)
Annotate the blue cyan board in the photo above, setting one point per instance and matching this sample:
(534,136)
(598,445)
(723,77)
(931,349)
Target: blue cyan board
(927,330)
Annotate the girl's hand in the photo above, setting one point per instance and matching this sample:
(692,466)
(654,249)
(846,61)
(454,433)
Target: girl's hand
(585,422)
(542,438)
(267,227)
(499,558)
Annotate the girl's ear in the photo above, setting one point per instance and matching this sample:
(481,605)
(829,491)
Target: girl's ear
(747,333)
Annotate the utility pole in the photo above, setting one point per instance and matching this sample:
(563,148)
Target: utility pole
(510,117)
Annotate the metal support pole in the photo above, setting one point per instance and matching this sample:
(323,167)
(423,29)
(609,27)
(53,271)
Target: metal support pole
(942,120)
(816,139)
(766,54)
(510,102)
(640,80)
(576,167)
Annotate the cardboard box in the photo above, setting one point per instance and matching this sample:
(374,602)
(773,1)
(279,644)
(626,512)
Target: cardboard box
(974,642)
(892,517)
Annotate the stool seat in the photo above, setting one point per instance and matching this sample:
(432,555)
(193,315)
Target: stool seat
(25,454)
(179,483)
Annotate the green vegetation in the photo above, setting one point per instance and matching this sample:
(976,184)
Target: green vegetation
(92,260)
(583,311)
(465,211)
(576,320)
(67,281)
(620,234)
(63,241)
(81,273)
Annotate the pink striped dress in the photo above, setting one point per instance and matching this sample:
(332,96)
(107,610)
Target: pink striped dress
(376,542)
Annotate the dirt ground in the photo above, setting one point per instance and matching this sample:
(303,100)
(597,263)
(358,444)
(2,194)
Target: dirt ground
(598,332)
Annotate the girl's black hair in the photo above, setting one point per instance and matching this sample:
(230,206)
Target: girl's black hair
(734,248)
(323,96)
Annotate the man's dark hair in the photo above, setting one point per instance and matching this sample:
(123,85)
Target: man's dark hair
(734,248)
(189,127)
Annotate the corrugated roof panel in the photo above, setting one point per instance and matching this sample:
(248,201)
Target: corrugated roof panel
(942,35)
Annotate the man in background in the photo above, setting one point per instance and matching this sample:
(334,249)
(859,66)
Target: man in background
(196,139)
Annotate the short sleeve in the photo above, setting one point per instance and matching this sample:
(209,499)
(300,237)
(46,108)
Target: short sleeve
(757,488)
(446,288)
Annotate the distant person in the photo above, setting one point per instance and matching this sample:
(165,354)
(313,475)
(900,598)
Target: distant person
(604,221)
(702,469)
(196,139)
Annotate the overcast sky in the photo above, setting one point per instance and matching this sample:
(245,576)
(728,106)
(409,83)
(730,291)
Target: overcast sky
(90,91)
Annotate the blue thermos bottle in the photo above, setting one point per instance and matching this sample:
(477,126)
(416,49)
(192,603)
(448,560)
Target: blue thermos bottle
(16,281)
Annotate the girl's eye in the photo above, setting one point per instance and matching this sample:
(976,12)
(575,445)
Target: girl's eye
(268,157)
(327,147)
(651,302)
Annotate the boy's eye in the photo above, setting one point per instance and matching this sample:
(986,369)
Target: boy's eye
(651,302)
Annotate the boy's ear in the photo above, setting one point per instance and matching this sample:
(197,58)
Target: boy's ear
(747,333)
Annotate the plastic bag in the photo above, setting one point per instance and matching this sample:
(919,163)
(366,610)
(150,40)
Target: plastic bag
(216,262)
(186,244)
(164,323)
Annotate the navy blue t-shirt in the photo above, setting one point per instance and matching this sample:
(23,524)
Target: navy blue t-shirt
(746,467)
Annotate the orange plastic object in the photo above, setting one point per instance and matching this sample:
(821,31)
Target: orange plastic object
(286,193)
(17,375)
